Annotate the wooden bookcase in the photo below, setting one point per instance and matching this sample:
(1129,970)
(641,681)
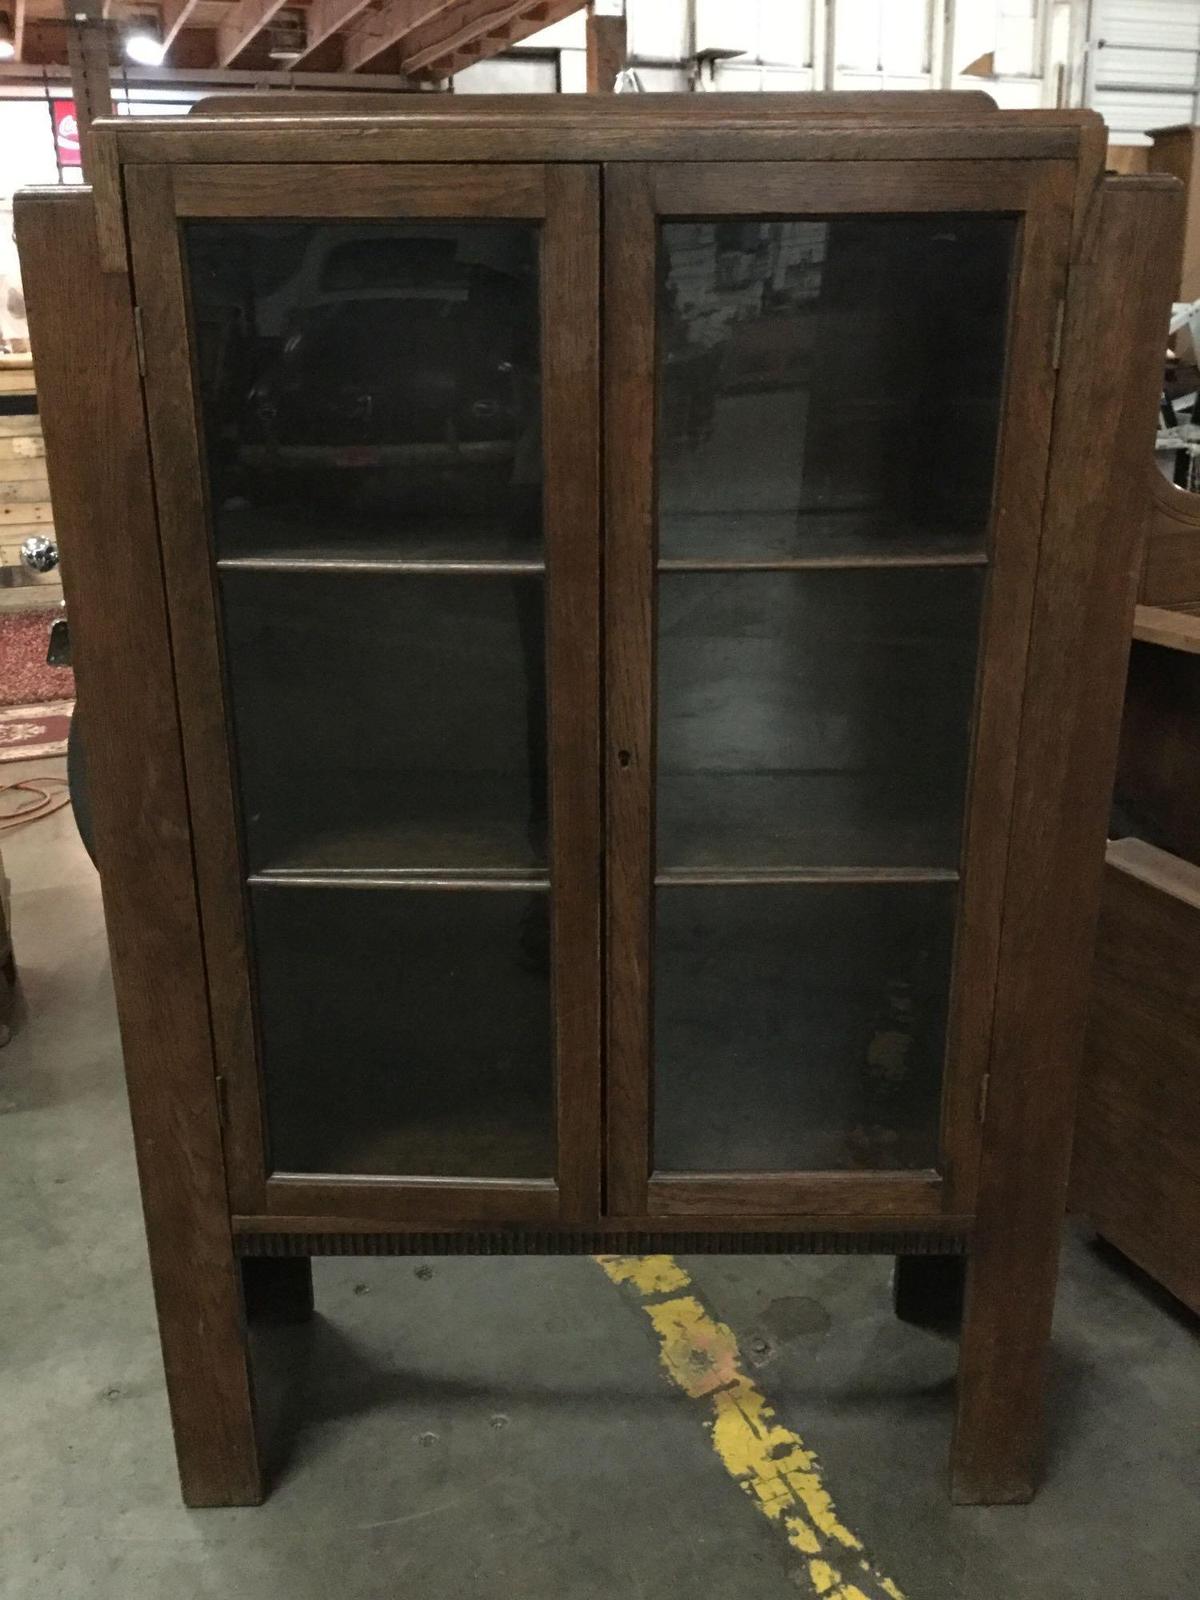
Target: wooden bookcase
(614,613)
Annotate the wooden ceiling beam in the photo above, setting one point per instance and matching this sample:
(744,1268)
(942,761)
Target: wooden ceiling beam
(463,32)
(324,19)
(241,25)
(377,29)
(464,25)
(549,13)
(18,27)
(175,15)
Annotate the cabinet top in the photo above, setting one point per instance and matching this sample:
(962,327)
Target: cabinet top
(649,127)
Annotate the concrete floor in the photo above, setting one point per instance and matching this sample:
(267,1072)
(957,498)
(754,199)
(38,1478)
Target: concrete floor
(503,1429)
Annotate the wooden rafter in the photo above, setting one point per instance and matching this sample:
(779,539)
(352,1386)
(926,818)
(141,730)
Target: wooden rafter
(449,36)
(241,25)
(175,15)
(376,30)
(475,23)
(325,19)
(428,38)
(500,39)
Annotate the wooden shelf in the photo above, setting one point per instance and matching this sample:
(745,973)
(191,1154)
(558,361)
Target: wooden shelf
(398,878)
(1173,627)
(796,540)
(471,844)
(382,563)
(346,539)
(16,374)
(829,563)
(747,877)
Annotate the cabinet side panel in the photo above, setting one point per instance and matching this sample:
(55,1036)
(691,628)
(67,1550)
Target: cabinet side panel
(1097,510)
(82,328)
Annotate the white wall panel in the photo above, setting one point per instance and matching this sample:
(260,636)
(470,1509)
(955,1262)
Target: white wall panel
(742,76)
(1144,63)
(775,32)
(569,34)
(572,71)
(659,80)
(26,146)
(657,28)
(510,74)
(1127,112)
(888,37)
(785,32)
(1153,69)
(1148,22)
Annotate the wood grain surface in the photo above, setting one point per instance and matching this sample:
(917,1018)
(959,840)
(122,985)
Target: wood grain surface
(112,575)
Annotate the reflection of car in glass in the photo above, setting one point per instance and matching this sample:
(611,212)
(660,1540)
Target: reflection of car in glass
(402,367)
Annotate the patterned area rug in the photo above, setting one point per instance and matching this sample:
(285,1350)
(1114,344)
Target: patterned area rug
(25,679)
(27,733)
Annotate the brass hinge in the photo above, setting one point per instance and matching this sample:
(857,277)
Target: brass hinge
(223,1100)
(984,1086)
(1059,318)
(139,340)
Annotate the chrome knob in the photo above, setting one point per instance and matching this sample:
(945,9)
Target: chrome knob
(39,553)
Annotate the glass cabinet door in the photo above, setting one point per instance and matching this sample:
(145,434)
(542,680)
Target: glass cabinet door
(380,532)
(803,560)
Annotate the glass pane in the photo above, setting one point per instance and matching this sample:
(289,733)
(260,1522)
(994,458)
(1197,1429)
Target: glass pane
(387,721)
(800,1027)
(406,1031)
(369,387)
(829,386)
(814,718)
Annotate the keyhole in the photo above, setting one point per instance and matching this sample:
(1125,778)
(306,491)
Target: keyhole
(623,758)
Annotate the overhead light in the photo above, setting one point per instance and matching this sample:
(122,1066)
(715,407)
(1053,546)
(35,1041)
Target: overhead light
(7,48)
(145,49)
(143,44)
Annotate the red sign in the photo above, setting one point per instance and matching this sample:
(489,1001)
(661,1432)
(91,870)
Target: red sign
(66,133)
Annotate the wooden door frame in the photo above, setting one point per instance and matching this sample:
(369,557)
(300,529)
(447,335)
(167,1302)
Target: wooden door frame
(565,200)
(1041,194)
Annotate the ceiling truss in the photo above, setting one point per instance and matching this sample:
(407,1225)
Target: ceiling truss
(421,39)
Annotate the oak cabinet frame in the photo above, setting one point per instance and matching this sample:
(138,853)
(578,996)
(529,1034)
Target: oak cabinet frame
(227,1234)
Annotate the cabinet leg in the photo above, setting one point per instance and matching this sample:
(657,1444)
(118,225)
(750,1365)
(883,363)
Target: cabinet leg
(202,1326)
(277,1289)
(997,1451)
(928,1290)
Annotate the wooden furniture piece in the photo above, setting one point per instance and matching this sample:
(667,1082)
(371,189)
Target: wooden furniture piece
(1171,562)
(1173,152)
(1136,1170)
(1136,1167)
(733,892)
(1158,765)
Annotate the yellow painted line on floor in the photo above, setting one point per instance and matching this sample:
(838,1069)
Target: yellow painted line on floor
(768,1461)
